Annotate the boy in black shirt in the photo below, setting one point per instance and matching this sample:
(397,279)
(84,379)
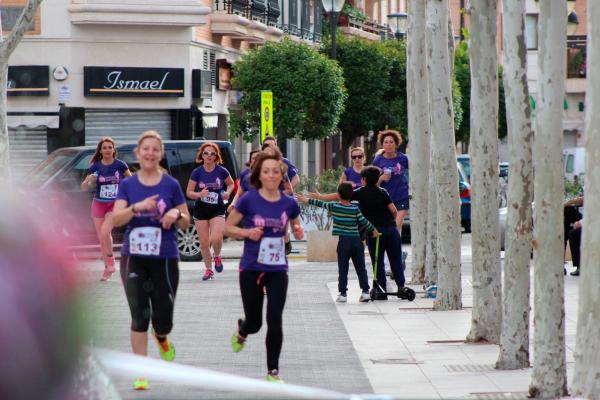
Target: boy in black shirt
(377,207)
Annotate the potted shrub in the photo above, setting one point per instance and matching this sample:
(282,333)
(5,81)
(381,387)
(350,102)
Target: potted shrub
(321,244)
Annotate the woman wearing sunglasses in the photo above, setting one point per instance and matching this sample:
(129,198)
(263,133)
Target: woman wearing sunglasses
(352,174)
(210,184)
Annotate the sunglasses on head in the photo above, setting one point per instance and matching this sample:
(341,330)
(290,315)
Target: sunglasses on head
(357,157)
(209,153)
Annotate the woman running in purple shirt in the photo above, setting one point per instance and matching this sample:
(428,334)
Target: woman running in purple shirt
(352,174)
(152,206)
(106,172)
(264,214)
(210,185)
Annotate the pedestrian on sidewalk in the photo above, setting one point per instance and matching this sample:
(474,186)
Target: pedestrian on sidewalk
(352,173)
(347,222)
(394,176)
(377,207)
(210,185)
(264,214)
(152,206)
(106,172)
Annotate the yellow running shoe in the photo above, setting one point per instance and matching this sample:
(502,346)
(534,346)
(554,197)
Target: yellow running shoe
(165,348)
(140,384)
(273,376)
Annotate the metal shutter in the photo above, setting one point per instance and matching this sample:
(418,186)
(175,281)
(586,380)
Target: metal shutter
(125,125)
(27,148)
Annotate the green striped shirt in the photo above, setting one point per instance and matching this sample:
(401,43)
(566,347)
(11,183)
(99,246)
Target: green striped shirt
(347,219)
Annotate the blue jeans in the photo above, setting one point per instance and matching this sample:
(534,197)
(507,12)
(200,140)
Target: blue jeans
(390,243)
(350,247)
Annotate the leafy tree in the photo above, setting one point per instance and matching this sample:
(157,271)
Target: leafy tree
(308,91)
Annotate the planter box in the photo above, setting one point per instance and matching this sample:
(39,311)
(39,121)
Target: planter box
(321,246)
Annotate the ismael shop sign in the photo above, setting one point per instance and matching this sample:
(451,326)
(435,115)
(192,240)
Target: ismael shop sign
(133,82)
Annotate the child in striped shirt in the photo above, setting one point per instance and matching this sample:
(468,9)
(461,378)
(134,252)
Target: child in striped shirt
(347,220)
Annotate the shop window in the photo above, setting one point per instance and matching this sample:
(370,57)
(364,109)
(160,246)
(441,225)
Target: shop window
(10,10)
(570,164)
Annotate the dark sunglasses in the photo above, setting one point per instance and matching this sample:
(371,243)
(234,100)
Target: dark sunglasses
(357,157)
(208,153)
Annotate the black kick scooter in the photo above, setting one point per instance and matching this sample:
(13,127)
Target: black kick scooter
(377,292)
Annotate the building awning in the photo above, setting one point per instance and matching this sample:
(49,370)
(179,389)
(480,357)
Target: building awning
(210,117)
(33,121)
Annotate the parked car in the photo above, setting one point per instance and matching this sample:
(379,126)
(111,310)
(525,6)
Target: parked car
(465,162)
(58,178)
(464,190)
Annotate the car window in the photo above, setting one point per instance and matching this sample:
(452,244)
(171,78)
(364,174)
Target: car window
(71,178)
(49,167)
(228,162)
(187,165)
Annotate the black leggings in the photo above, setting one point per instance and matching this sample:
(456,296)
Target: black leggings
(251,287)
(150,285)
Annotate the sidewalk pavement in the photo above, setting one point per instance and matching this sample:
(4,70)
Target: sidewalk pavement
(394,347)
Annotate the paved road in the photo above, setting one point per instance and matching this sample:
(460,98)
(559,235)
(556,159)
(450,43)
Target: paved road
(317,350)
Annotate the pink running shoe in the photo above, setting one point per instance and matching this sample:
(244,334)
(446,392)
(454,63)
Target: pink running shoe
(106,274)
(218,264)
(208,274)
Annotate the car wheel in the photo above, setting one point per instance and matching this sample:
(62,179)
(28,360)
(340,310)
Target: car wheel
(189,244)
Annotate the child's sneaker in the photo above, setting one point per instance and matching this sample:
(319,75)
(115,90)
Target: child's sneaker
(364,297)
(273,376)
(218,264)
(165,348)
(208,274)
(140,384)
(341,298)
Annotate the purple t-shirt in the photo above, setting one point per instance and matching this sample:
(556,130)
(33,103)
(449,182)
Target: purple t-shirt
(245,180)
(397,186)
(170,196)
(292,170)
(107,179)
(214,181)
(353,176)
(273,218)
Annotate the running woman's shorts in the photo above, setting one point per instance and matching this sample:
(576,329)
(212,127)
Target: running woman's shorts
(402,204)
(101,208)
(207,212)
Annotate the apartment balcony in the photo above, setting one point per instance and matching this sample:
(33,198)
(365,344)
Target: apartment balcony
(246,20)
(367,29)
(181,13)
(576,64)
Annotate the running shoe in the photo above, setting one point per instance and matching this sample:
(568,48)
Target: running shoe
(364,297)
(238,341)
(107,273)
(208,274)
(165,348)
(140,384)
(218,264)
(341,298)
(273,376)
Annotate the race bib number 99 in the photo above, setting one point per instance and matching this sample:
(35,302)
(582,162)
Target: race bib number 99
(109,191)
(145,241)
(271,251)
(211,198)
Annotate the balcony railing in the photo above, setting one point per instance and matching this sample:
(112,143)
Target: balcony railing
(576,57)
(371,28)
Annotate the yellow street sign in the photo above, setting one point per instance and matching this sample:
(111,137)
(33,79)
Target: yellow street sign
(266,115)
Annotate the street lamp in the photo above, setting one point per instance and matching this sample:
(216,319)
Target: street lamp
(398,24)
(333,8)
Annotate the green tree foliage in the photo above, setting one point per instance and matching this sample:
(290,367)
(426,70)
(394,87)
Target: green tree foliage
(375,75)
(308,91)
(462,76)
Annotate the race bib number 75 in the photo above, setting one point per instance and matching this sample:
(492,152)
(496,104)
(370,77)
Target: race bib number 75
(271,251)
